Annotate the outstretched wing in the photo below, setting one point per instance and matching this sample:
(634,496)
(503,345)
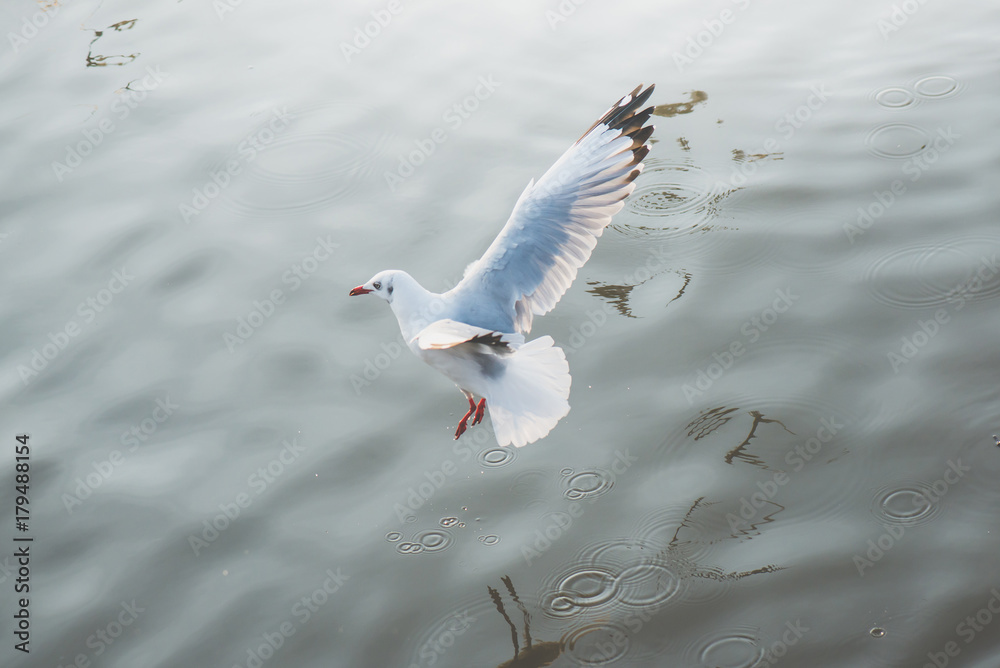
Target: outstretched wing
(556,222)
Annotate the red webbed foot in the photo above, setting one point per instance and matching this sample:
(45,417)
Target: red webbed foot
(480,409)
(463,424)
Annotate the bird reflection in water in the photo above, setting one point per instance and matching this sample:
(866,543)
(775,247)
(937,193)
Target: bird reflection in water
(711,420)
(740,450)
(534,655)
(678,108)
(94,60)
(618,295)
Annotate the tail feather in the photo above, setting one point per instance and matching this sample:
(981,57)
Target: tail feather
(531,395)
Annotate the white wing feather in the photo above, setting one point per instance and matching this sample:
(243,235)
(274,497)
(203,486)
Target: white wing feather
(450,333)
(557,221)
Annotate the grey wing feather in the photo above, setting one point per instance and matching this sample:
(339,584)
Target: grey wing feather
(557,221)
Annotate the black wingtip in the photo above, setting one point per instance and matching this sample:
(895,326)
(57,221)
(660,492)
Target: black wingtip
(623,111)
(638,154)
(641,100)
(492,339)
(640,136)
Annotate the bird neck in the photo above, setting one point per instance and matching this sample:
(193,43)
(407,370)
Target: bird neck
(415,307)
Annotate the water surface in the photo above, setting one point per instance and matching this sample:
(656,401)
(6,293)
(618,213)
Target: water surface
(783,349)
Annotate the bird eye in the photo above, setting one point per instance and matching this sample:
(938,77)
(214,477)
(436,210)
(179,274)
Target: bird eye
(377,285)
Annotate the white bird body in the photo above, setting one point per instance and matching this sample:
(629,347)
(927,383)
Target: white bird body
(526,386)
(474,333)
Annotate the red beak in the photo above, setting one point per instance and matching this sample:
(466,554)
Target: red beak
(360,290)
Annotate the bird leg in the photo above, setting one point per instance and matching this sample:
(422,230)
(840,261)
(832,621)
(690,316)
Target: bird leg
(463,423)
(480,409)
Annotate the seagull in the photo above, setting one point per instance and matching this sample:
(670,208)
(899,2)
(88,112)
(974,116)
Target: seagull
(475,333)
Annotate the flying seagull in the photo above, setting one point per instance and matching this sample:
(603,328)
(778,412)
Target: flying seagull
(474,333)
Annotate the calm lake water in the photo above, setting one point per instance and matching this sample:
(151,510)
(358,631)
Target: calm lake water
(784,359)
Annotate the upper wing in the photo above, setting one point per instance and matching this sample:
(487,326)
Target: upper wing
(556,222)
(450,333)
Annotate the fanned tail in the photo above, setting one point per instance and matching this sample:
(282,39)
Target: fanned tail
(531,396)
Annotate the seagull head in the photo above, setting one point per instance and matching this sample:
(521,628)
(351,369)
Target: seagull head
(380,285)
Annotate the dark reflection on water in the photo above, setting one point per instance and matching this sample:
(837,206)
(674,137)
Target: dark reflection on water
(533,655)
(668,110)
(740,450)
(95,60)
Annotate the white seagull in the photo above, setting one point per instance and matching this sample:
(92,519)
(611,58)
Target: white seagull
(474,333)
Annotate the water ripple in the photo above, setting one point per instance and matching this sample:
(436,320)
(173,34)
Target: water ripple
(618,574)
(597,644)
(937,86)
(530,488)
(734,648)
(306,167)
(736,423)
(648,585)
(497,456)
(907,503)
(687,532)
(433,540)
(579,588)
(587,484)
(788,442)
(897,141)
(428,540)
(893,97)
(452,634)
(673,199)
(924,89)
(681,205)
(932,275)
